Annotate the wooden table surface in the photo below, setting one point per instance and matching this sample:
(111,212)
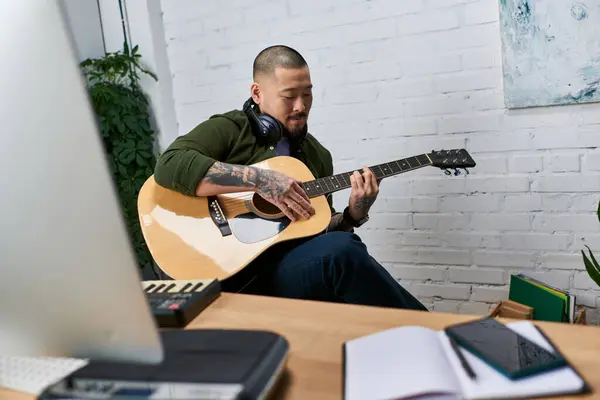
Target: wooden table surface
(316,331)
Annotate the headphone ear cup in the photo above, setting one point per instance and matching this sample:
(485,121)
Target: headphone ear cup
(263,126)
(258,129)
(271,127)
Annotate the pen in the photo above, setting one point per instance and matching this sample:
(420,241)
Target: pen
(463,360)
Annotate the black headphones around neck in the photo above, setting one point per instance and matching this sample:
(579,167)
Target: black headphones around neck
(263,125)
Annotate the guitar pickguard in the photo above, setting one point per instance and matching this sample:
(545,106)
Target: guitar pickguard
(250,228)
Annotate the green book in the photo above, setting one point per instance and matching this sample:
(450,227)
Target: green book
(547,305)
(569,299)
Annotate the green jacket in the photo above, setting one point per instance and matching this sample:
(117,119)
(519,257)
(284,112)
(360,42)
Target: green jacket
(227,138)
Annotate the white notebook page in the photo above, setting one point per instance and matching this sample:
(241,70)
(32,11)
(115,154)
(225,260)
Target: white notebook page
(396,363)
(492,384)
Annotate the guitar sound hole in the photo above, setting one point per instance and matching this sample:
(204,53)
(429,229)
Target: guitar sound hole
(264,207)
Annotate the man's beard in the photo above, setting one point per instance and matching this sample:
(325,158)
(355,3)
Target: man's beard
(297,131)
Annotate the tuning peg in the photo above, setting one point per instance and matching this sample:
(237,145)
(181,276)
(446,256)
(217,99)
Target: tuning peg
(447,172)
(456,172)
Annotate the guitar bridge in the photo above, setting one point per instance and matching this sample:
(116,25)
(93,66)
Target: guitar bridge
(217,215)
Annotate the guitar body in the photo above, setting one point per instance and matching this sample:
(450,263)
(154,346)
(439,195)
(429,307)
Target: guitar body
(188,240)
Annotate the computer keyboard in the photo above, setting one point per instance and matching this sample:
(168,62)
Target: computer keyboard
(174,303)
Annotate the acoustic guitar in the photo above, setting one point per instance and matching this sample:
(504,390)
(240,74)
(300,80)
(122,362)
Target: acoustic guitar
(216,237)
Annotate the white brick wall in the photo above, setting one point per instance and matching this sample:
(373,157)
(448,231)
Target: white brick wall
(395,78)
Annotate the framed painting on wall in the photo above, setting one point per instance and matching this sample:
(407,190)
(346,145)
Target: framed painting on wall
(550,52)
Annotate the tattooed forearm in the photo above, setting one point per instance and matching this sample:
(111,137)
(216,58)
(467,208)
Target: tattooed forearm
(339,224)
(364,203)
(223,174)
(227,178)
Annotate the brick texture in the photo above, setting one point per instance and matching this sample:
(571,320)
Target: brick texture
(397,78)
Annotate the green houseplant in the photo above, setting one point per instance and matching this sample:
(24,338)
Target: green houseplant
(123,115)
(591,265)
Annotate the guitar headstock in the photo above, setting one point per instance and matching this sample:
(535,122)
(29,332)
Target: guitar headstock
(452,159)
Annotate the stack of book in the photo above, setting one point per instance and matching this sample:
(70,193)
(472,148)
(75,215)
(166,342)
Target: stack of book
(548,303)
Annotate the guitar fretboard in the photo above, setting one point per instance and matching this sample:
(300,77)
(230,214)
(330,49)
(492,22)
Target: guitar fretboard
(341,181)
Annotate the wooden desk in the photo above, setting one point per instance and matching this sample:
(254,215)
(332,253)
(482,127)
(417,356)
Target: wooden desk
(317,330)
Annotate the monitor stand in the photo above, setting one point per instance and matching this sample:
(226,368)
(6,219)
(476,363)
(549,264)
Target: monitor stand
(198,364)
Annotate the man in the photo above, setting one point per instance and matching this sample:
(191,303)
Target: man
(214,158)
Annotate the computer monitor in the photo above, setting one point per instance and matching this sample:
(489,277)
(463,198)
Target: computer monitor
(70,285)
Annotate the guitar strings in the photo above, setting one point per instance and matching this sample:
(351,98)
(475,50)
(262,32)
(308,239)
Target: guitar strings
(235,204)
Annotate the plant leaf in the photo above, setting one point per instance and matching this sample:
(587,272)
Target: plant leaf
(143,145)
(121,168)
(141,174)
(593,269)
(141,161)
(146,155)
(131,122)
(594,262)
(126,156)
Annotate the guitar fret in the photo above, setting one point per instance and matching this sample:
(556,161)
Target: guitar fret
(325,183)
(334,181)
(387,170)
(395,167)
(346,177)
(309,188)
(377,171)
(319,187)
(316,188)
(423,159)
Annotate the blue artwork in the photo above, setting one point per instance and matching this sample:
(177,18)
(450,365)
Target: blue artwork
(550,51)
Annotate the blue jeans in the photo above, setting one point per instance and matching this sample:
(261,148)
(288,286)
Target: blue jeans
(334,267)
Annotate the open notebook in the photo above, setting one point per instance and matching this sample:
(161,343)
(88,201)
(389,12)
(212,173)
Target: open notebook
(419,363)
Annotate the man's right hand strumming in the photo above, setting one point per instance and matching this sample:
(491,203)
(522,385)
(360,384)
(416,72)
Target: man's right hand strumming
(285,193)
(275,187)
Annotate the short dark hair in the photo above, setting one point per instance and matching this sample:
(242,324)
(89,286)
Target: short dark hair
(276,56)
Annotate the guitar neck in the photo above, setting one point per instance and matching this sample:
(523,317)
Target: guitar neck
(334,183)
